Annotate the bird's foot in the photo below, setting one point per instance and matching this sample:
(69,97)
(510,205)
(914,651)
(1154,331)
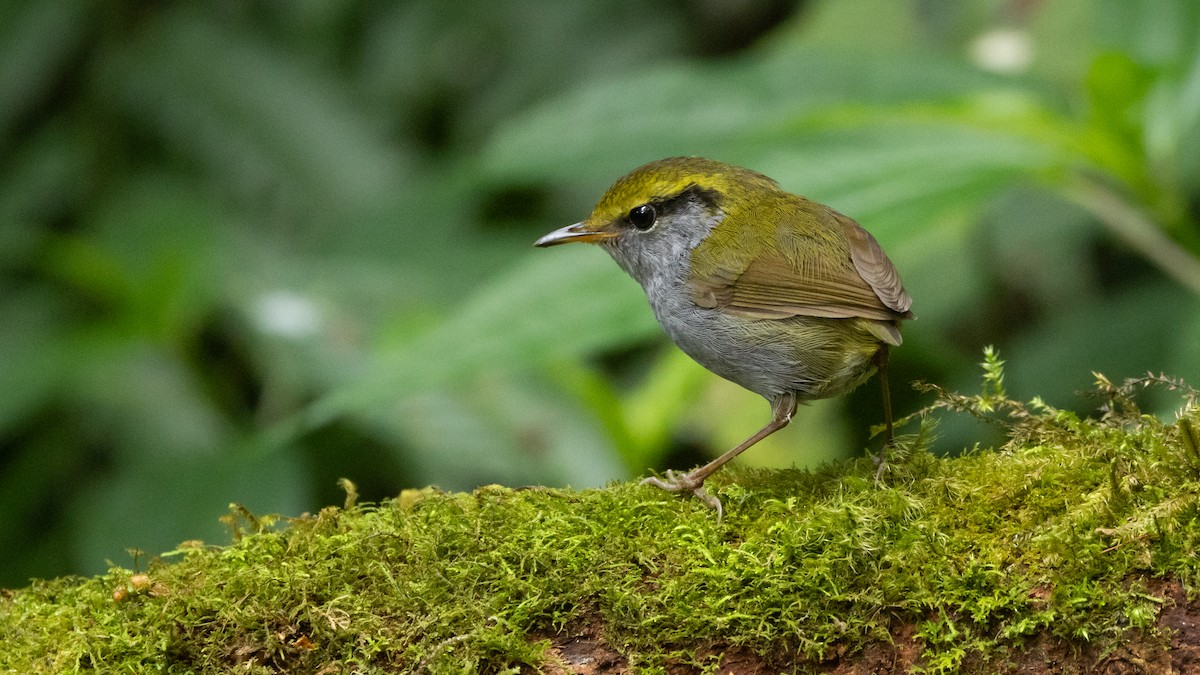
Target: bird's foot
(686,482)
(880,461)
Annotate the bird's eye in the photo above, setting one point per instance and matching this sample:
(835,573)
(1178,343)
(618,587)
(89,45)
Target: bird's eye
(642,217)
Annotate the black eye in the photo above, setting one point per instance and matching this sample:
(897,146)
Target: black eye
(642,217)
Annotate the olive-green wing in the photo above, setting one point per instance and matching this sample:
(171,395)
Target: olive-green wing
(856,280)
(875,268)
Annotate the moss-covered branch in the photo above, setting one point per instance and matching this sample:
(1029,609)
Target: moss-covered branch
(1074,545)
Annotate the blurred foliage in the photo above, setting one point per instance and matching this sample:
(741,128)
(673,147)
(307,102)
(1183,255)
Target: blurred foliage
(247,248)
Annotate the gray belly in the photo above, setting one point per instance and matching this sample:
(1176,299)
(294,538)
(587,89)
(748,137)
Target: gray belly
(811,356)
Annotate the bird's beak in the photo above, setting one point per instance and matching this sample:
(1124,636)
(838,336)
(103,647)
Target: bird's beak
(579,232)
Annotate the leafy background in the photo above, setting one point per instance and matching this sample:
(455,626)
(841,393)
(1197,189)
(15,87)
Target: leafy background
(247,248)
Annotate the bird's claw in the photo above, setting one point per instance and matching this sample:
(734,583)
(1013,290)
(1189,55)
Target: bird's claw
(686,483)
(881,464)
(674,483)
(712,502)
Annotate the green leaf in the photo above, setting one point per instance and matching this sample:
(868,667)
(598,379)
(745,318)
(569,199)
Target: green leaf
(552,305)
(1135,331)
(37,39)
(257,118)
(150,504)
(747,106)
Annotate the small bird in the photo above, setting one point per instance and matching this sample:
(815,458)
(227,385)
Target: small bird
(777,293)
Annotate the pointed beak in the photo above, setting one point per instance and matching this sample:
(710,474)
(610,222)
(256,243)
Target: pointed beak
(579,232)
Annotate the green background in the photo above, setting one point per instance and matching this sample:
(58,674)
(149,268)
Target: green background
(247,248)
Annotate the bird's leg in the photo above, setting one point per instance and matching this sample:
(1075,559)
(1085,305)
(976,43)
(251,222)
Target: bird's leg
(881,363)
(782,409)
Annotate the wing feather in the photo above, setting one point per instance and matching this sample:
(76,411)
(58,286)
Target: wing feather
(861,283)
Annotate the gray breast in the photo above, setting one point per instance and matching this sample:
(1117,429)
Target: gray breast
(811,356)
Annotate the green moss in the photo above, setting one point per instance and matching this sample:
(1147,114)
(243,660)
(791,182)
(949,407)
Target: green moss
(1056,534)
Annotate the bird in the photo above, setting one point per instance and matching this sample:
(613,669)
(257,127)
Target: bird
(777,293)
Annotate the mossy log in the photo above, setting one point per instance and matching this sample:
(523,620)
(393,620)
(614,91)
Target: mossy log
(1072,548)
